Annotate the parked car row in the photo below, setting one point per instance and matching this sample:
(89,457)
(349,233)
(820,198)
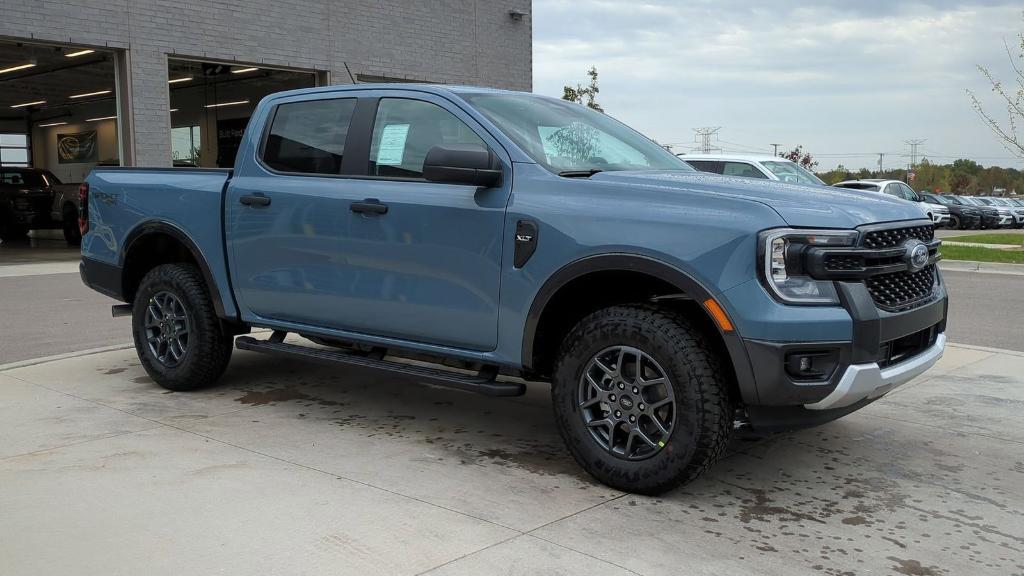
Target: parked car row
(961,212)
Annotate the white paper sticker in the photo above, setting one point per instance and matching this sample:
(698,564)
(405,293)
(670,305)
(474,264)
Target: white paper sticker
(392,144)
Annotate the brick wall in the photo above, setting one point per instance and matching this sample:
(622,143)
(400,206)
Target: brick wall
(447,41)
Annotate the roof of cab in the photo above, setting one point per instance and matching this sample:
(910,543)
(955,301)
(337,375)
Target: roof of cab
(736,157)
(414,86)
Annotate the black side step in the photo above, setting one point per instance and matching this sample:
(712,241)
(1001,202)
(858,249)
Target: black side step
(483,383)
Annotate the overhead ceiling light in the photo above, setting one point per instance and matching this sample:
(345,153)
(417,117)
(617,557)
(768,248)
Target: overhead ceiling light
(23,104)
(79,53)
(18,67)
(90,94)
(176,80)
(174,110)
(235,103)
(52,124)
(243,70)
(103,118)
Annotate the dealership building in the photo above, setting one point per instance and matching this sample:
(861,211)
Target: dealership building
(142,82)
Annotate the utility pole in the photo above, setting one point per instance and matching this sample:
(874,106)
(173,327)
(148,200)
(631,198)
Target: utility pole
(881,155)
(776,146)
(914,143)
(703,138)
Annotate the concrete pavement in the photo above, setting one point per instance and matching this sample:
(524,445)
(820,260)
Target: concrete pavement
(291,468)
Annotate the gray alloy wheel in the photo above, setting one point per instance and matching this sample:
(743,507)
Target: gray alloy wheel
(167,328)
(627,402)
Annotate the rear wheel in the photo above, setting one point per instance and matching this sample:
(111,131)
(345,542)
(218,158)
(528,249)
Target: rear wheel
(954,222)
(178,337)
(640,399)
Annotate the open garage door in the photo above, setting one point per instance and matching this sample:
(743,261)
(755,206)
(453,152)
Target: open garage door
(58,119)
(210,105)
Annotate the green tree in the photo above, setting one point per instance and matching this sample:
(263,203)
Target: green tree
(586,95)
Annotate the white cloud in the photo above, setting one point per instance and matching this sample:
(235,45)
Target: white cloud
(837,77)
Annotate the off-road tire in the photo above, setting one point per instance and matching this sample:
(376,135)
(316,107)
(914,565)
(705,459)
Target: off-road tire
(209,346)
(704,417)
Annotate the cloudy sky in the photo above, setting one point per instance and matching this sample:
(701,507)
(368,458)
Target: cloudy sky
(845,78)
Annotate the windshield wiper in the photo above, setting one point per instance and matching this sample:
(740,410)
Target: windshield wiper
(579,173)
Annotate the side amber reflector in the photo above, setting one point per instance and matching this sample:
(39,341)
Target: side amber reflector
(718,314)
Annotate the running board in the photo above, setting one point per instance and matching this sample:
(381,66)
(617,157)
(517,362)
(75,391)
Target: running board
(483,383)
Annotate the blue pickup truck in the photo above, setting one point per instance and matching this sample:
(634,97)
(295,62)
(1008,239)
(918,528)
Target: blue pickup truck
(506,237)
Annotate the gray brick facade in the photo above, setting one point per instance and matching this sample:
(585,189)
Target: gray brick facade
(447,41)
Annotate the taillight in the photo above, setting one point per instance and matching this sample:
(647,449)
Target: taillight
(83,208)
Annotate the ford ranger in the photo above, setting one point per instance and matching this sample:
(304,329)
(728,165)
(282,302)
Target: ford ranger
(508,238)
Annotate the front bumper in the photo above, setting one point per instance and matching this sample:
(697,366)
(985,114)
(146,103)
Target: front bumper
(869,381)
(887,349)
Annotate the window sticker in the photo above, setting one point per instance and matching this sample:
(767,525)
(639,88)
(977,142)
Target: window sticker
(392,144)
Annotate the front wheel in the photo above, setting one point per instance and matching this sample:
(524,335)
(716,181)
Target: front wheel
(641,399)
(178,337)
(954,223)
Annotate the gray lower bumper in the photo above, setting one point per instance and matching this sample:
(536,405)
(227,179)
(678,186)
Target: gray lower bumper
(862,381)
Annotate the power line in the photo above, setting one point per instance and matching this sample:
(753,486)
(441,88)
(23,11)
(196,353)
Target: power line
(703,137)
(914,143)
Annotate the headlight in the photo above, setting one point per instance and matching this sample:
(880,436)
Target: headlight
(782,253)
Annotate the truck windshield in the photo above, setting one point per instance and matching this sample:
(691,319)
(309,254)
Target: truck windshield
(793,172)
(569,138)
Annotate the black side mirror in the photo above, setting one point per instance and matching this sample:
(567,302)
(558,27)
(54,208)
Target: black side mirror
(462,164)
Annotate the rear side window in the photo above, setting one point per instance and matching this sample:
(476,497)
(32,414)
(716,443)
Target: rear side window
(711,166)
(741,169)
(405,130)
(309,137)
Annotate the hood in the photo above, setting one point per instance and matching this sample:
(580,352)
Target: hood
(800,206)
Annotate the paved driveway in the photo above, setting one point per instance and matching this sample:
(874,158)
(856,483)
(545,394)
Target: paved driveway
(287,468)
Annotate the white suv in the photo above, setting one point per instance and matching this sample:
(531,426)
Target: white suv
(937,212)
(765,167)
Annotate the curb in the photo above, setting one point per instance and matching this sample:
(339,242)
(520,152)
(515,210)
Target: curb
(982,267)
(1017,353)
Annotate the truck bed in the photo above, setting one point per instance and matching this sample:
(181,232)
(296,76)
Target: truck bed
(125,202)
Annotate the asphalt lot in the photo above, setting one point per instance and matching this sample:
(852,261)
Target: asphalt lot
(47,314)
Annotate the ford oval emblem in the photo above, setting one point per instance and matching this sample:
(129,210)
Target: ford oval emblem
(916,255)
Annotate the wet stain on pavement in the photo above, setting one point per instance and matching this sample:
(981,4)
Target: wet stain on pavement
(115,370)
(275,395)
(914,568)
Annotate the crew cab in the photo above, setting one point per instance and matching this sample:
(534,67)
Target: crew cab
(515,235)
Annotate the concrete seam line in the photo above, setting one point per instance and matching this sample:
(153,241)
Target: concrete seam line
(588,555)
(80,442)
(468,554)
(64,356)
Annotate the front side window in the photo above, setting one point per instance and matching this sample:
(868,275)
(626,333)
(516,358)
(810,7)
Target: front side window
(309,137)
(793,173)
(405,130)
(566,137)
(741,169)
(859,186)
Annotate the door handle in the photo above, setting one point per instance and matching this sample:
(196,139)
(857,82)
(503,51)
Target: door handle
(369,206)
(255,200)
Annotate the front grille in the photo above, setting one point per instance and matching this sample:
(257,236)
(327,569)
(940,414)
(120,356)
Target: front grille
(902,290)
(892,237)
(843,263)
